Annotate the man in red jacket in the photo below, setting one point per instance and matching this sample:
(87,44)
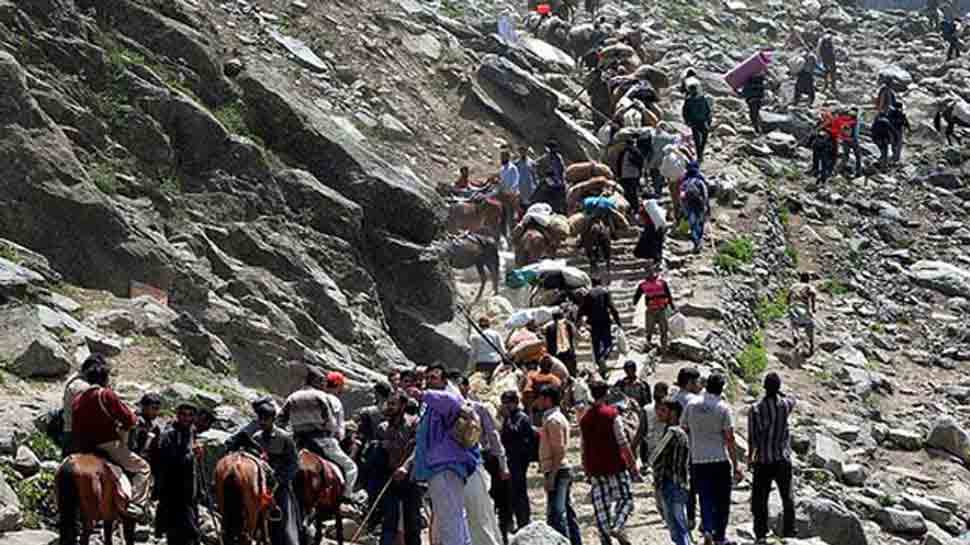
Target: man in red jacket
(101,425)
(608,461)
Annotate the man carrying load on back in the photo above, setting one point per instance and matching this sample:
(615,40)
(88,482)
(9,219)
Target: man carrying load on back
(695,200)
(697,116)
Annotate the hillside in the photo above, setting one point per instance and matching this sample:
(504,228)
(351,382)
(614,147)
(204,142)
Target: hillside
(217,194)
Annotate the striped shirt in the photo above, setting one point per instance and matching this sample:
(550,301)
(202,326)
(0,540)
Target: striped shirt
(671,457)
(768,429)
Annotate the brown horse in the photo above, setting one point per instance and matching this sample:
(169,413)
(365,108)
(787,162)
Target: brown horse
(477,216)
(88,488)
(243,498)
(481,252)
(532,246)
(318,486)
(598,244)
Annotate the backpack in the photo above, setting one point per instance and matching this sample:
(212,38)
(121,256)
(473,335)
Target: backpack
(467,428)
(694,193)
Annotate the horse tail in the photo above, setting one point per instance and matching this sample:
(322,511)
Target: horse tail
(68,503)
(937,119)
(232,509)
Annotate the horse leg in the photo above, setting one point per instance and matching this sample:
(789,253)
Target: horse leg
(128,532)
(69,502)
(339,523)
(109,532)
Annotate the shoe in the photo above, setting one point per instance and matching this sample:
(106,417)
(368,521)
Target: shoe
(621,536)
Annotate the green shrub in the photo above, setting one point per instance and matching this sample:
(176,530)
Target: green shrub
(9,253)
(232,116)
(753,360)
(792,254)
(103,176)
(784,214)
(43,446)
(773,308)
(38,501)
(835,287)
(733,254)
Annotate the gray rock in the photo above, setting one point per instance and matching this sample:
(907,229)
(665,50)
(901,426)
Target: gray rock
(828,454)
(14,279)
(945,434)
(854,474)
(897,521)
(938,536)
(329,212)
(538,533)
(177,393)
(44,357)
(425,45)
(691,309)
(29,537)
(689,349)
(942,178)
(300,52)
(394,127)
(945,278)
(26,463)
(555,59)
(528,106)
(901,78)
(930,510)
(833,523)
(8,441)
(903,439)
(11,519)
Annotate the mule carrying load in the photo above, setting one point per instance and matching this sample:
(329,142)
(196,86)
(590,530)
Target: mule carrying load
(539,234)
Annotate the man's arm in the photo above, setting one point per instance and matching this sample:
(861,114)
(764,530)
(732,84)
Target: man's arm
(619,432)
(117,409)
(291,460)
(670,296)
(752,436)
(636,296)
(493,439)
(613,311)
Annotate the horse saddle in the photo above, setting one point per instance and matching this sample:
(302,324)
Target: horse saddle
(97,466)
(326,477)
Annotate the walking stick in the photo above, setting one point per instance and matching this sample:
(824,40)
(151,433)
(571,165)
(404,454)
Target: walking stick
(363,523)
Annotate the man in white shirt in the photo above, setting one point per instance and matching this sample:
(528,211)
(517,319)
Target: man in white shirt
(487,348)
(508,192)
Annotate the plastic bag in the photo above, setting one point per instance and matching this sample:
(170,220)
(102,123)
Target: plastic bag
(656,213)
(575,278)
(677,326)
(619,340)
(518,319)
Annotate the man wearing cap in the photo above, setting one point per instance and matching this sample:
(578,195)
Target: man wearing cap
(442,462)
(609,463)
(176,480)
(243,437)
(521,447)
(281,453)
(658,299)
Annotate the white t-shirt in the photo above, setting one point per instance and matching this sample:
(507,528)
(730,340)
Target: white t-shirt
(706,421)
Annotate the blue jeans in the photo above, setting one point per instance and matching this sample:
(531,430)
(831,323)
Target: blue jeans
(602,338)
(675,511)
(696,219)
(559,511)
(714,484)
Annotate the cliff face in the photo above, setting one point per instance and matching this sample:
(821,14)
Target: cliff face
(128,157)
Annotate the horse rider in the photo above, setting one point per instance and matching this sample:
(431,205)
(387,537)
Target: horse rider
(101,422)
(281,453)
(316,418)
(177,479)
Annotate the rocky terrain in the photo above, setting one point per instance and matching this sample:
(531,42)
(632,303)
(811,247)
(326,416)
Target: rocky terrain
(216,194)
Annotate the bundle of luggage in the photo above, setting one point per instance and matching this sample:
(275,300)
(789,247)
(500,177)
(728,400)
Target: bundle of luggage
(554,227)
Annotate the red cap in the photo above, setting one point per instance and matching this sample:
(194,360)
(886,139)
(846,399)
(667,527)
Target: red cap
(335,379)
(543,9)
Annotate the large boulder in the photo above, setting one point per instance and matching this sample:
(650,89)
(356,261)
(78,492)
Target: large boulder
(818,517)
(943,277)
(530,108)
(538,533)
(29,537)
(28,349)
(897,521)
(947,435)
(328,211)
(390,198)
(45,192)
(553,58)
(11,518)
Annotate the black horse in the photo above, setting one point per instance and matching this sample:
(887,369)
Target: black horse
(946,112)
(472,250)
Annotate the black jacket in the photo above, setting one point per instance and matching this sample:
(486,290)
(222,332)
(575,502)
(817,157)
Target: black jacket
(176,483)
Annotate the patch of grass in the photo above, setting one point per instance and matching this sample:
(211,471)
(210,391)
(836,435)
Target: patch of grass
(886,500)
(792,254)
(753,360)
(8,253)
(43,446)
(823,376)
(733,254)
(103,176)
(170,184)
(38,502)
(784,215)
(232,116)
(773,308)
(683,228)
(834,287)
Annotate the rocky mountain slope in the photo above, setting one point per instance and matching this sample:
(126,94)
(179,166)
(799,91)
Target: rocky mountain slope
(267,169)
